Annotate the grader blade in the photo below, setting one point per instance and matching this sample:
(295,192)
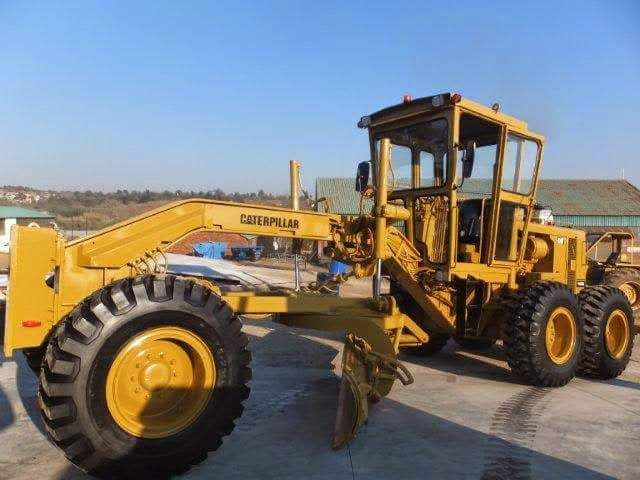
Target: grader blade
(353,404)
(367,376)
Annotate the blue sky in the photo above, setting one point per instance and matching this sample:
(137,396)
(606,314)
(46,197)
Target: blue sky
(162,94)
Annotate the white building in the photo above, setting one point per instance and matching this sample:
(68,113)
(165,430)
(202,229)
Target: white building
(10,216)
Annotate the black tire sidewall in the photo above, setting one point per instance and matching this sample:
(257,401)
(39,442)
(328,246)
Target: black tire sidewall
(121,442)
(82,349)
(89,388)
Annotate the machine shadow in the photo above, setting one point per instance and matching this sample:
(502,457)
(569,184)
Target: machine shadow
(439,448)
(477,364)
(27,386)
(619,382)
(7,416)
(288,423)
(454,360)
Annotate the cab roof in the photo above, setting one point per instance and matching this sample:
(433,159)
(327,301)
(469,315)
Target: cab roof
(441,102)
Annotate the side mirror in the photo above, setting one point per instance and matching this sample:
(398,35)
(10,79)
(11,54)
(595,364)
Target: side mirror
(467,159)
(362,176)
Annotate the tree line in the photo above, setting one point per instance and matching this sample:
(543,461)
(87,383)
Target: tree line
(95,209)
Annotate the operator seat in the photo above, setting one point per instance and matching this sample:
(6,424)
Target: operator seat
(469,230)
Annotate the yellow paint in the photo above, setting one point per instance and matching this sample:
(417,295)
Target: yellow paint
(34,253)
(159,382)
(561,335)
(134,246)
(617,334)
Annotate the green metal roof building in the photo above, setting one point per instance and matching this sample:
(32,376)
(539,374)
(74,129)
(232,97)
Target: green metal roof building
(19,212)
(586,204)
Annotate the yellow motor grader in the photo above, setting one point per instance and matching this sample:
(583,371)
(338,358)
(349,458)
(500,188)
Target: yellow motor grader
(142,370)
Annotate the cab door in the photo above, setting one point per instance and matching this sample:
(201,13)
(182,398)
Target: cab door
(514,197)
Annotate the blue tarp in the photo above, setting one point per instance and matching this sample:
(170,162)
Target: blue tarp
(210,249)
(336,267)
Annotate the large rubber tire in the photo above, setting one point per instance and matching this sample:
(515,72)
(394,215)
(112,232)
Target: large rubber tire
(436,343)
(598,303)
(524,341)
(72,395)
(475,344)
(626,279)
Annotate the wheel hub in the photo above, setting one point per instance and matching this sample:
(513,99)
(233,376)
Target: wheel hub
(561,335)
(159,382)
(155,376)
(616,334)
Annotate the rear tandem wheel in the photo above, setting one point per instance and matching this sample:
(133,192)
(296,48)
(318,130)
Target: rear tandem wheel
(144,377)
(608,332)
(543,335)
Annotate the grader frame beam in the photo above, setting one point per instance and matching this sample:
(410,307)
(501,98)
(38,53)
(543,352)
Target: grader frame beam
(80,267)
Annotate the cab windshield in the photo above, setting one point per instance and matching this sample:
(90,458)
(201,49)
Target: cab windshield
(418,154)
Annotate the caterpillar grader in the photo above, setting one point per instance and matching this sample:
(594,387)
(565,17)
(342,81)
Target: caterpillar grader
(141,370)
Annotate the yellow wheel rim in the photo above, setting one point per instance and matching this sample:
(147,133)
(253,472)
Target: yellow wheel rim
(616,334)
(561,335)
(160,381)
(630,290)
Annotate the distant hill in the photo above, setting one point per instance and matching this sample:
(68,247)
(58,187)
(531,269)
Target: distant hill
(92,210)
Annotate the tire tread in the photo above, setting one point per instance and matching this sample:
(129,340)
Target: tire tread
(84,324)
(524,327)
(594,301)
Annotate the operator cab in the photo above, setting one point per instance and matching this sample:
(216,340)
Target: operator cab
(448,151)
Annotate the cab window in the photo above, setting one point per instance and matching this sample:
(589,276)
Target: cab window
(520,157)
(486,137)
(418,154)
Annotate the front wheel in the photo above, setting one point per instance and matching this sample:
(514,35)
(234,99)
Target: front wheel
(145,377)
(543,335)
